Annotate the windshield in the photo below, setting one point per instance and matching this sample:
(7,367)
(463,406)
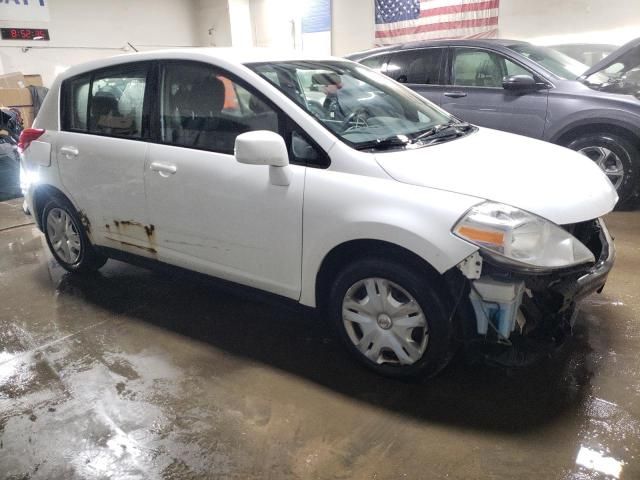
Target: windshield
(359,106)
(556,62)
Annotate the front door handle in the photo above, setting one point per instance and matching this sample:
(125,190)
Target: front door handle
(69,151)
(455,94)
(164,169)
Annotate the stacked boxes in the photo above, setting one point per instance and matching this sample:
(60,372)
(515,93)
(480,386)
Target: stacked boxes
(15,94)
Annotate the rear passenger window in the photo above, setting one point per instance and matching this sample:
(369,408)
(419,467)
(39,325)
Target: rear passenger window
(416,66)
(77,101)
(117,101)
(374,63)
(202,108)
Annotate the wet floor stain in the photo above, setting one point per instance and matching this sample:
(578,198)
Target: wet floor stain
(135,374)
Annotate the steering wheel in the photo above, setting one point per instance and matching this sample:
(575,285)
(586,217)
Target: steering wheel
(359,116)
(317,110)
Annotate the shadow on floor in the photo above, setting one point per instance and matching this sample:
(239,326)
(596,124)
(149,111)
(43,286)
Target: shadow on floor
(473,396)
(9,178)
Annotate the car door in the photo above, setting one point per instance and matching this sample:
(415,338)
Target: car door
(421,70)
(475,93)
(209,212)
(101,151)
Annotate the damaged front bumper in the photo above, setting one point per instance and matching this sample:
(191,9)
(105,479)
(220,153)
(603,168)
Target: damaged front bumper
(512,306)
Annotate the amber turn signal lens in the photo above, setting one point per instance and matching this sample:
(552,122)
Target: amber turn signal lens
(482,236)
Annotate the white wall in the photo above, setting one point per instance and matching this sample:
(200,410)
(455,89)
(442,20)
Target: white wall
(83,30)
(241,24)
(565,21)
(212,23)
(274,23)
(352,26)
(541,21)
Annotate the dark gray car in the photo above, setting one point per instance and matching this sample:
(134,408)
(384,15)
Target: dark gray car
(534,91)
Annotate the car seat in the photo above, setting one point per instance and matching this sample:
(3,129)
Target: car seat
(488,74)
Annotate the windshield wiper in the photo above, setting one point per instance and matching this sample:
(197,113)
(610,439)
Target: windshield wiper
(444,130)
(384,143)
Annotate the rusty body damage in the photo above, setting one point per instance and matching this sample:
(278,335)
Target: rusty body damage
(136,231)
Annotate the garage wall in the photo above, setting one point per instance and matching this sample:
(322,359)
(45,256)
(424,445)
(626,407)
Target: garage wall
(553,21)
(241,24)
(544,21)
(82,30)
(274,23)
(353,26)
(212,23)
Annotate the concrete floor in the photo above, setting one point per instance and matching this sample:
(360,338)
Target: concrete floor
(133,374)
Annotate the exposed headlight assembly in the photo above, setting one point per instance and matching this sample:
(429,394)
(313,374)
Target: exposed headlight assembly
(514,236)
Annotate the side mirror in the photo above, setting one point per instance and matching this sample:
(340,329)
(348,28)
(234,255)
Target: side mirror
(519,82)
(263,147)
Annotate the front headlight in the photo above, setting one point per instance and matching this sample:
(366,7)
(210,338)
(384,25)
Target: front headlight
(520,237)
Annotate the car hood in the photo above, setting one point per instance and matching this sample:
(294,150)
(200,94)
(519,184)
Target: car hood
(551,181)
(625,54)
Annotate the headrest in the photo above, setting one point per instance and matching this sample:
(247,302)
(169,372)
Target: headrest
(203,99)
(103,105)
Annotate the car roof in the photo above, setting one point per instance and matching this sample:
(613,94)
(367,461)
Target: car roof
(484,42)
(222,55)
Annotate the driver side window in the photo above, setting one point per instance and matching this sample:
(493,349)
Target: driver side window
(202,108)
(480,68)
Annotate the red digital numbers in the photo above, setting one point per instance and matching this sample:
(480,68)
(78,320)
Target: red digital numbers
(24,33)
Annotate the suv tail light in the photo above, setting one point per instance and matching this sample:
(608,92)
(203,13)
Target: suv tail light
(27,136)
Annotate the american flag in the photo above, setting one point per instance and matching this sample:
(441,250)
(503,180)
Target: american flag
(399,21)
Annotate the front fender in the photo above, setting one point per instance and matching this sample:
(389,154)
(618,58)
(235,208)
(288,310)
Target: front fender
(340,207)
(562,121)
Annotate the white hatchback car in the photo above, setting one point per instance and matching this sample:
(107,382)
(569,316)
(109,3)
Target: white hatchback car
(324,182)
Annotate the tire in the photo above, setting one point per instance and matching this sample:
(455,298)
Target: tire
(623,158)
(428,346)
(67,238)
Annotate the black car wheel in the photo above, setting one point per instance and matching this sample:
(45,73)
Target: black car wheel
(391,318)
(67,239)
(618,158)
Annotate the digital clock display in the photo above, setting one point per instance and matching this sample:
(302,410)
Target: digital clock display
(24,33)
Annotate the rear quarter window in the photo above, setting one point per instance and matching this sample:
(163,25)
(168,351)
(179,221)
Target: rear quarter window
(107,102)
(75,103)
(420,66)
(375,63)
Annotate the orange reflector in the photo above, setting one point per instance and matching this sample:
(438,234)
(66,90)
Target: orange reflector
(483,236)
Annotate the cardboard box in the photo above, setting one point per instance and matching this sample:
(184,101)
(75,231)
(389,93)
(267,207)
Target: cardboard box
(33,79)
(15,97)
(12,80)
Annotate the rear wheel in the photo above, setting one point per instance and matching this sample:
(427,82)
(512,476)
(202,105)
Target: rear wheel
(391,318)
(618,158)
(67,238)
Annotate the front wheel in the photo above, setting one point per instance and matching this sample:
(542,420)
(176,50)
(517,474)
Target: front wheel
(618,158)
(67,238)
(391,318)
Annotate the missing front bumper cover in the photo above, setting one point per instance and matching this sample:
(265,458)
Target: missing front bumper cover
(542,305)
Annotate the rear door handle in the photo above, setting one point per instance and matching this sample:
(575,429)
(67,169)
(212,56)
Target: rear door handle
(69,151)
(164,169)
(455,94)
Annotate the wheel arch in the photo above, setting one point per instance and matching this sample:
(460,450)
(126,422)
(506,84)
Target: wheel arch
(597,126)
(353,250)
(41,195)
